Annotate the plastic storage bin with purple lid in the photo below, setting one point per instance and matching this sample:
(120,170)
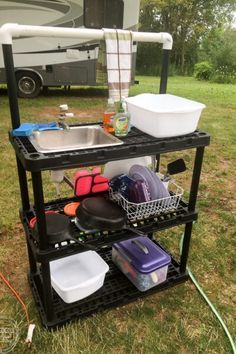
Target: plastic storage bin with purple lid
(143,262)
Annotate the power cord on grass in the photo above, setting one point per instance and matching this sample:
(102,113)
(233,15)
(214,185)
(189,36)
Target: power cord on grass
(31,326)
(212,307)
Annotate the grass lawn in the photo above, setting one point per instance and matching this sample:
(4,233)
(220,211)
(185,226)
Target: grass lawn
(174,321)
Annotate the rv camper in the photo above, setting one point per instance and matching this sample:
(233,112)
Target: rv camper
(43,62)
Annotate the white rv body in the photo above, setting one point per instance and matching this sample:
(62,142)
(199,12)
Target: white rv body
(56,61)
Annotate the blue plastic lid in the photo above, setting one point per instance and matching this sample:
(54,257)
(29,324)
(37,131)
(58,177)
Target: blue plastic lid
(143,254)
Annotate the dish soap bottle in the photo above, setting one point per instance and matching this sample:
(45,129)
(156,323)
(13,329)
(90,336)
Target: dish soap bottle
(121,122)
(108,113)
(124,105)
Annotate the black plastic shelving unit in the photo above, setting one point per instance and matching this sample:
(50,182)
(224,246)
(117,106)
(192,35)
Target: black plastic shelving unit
(117,290)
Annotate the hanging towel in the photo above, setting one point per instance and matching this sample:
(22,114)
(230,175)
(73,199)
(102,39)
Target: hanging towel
(118,56)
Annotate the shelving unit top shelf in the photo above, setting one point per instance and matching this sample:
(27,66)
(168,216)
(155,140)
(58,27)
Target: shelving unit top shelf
(135,144)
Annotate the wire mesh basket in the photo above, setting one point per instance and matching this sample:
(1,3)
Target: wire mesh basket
(144,210)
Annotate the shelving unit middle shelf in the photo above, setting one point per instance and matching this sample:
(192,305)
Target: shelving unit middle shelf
(101,239)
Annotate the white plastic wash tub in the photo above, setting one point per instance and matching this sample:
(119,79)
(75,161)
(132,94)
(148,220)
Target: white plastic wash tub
(164,115)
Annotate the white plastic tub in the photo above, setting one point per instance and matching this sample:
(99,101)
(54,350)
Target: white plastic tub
(78,276)
(164,115)
(118,167)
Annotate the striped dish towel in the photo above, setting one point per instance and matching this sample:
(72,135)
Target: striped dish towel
(118,62)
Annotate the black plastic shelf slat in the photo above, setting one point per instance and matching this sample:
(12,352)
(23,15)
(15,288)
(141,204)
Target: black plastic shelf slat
(101,238)
(117,290)
(135,144)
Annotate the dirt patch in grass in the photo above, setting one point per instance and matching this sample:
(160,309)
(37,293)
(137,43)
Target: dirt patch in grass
(14,261)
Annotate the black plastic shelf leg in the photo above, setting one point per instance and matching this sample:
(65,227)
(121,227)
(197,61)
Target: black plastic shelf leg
(32,261)
(191,206)
(23,185)
(164,70)
(11,84)
(185,247)
(15,116)
(195,178)
(39,208)
(47,291)
(42,232)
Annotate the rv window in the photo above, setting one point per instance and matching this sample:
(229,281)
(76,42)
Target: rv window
(103,13)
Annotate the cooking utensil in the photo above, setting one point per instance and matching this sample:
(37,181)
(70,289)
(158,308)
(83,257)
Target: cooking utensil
(70,209)
(34,219)
(77,224)
(59,230)
(174,168)
(98,213)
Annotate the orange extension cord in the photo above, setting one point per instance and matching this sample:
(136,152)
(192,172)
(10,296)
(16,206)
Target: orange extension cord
(31,326)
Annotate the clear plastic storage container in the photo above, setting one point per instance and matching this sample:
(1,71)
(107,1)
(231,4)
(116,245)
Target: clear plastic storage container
(143,262)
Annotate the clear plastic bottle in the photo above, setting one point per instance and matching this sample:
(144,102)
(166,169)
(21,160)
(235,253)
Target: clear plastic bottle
(124,105)
(121,122)
(108,113)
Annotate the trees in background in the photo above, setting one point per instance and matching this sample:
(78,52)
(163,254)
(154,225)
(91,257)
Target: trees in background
(192,23)
(218,49)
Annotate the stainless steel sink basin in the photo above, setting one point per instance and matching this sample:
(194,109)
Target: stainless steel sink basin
(75,138)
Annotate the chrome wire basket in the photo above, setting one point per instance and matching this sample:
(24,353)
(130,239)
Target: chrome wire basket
(144,210)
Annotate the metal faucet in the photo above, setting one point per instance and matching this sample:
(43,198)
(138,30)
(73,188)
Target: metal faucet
(62,123)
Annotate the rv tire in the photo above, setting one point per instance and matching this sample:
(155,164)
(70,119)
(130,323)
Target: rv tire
(28,84)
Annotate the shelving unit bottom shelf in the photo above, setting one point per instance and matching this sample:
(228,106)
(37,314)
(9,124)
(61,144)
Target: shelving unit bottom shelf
(116,291)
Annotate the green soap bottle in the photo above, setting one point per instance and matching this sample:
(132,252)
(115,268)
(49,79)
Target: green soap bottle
(121,122)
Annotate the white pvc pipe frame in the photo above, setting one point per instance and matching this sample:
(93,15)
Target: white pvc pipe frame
(13,30)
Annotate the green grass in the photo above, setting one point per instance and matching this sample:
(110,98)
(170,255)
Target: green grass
(174,321)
